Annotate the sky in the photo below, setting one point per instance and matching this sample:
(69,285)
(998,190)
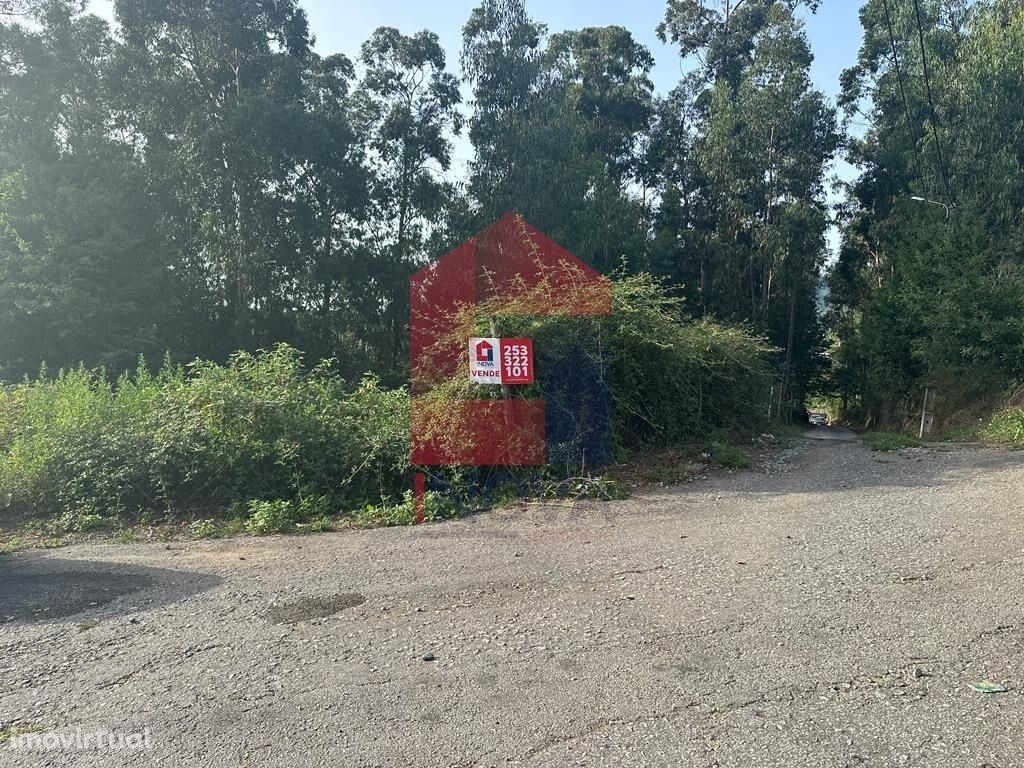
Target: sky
(341,26)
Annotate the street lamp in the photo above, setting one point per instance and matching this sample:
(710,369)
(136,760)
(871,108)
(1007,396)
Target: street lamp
(931,202)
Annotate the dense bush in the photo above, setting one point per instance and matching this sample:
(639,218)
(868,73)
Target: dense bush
(259,429)
(675,378)
(671,379)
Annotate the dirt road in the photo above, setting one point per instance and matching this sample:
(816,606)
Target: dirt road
(831,613)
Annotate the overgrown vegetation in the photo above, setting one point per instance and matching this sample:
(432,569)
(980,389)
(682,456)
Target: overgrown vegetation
(284,442)
(676,379)
(264,444)
(286,195)
(1007,427)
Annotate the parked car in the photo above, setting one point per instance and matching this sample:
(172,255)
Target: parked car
(818,419)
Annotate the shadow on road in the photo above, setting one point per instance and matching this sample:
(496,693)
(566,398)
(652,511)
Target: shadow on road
(38,588)
(841,434)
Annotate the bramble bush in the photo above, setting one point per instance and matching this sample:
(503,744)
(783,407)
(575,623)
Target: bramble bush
(260,429)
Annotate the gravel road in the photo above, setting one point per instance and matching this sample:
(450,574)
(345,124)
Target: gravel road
(830,611)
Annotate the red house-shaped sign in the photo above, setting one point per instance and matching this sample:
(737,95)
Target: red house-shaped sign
(510,260)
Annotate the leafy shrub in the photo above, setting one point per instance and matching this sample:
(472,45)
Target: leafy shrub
(204,529)
(267,517)
(728,455)
(1007,427)
(313,507)
(671,379)
(676,379)
(435,507)
(9,545)
(87,523)
(320,524)
(260,427)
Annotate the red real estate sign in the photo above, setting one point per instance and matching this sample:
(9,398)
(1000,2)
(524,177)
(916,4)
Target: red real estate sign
(516,361)
(501,361)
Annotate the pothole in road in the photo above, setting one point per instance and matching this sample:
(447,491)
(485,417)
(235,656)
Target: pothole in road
(314,608)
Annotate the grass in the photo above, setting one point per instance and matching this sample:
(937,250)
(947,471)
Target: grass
(728,455)
(322,524)
(9,545)
(889,441)
(125,536)
(1007,427)
(205,529)
(315,514)
(787,433)
(962,434)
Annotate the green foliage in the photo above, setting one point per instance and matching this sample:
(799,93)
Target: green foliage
(1007,426)
(124,536)
(87,523)
(889,441)
(322,524)
(205,181)
(675,379)
(265,517)
(739,150)
(728,455)
(261,427)
(929,286)
(9,544)
(204,529)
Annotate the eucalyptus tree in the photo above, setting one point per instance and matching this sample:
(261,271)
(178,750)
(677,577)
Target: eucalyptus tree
(82,264)
(722,34)
(746,189)
(215,92)
(408,113)
(929,287)
(606,75)
(502,61)
(556,129)
(324,206)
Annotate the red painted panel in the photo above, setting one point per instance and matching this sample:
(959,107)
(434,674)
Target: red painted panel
(477,432)
(436,294)
(513,259)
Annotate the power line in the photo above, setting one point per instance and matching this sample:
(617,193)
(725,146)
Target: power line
(931,102)
(903,92)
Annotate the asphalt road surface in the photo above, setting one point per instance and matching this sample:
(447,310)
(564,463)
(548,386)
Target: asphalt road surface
(831,610)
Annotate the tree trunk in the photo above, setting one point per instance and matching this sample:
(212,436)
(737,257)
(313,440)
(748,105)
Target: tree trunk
(787,383)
